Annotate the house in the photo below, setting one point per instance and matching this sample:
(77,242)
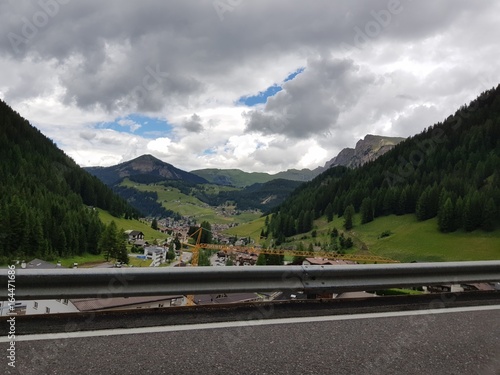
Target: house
(34,307)
(134,235)
(243,259)
(157,254)
(140,243)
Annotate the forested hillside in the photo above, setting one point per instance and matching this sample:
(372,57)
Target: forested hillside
(256,196)
(46,199)
(451,170)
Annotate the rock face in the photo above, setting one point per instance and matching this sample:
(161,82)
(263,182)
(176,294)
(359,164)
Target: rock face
(367,149)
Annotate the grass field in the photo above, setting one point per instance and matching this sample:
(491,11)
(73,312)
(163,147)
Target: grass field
(422,241)
(410,239)
(251,229)
(85,260)
(133,261)
(149,233)
(172,199)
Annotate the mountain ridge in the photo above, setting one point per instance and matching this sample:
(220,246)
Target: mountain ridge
(370,148)
(141,167)
(367,149)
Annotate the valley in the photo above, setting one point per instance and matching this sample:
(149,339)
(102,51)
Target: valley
(444,210)
(189,206)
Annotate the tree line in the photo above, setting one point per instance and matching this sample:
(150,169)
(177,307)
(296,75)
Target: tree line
(47,202)
(450,171)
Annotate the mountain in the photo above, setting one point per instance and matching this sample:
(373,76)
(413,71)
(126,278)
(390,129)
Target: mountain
(265,194)
(366,150)
(449,171)
(46,199)
(232,177)
(257,196)
(239,178)
(144,169)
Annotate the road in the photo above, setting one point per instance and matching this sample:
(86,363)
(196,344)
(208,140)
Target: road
(461,340)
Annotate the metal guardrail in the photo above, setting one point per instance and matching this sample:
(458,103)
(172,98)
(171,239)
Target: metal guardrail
(127,282)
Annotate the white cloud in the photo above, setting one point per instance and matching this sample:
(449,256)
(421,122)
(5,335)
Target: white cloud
(178,61)
(160,146)
(132,125)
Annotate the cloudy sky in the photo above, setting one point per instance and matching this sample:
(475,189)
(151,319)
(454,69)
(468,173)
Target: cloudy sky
(258,85)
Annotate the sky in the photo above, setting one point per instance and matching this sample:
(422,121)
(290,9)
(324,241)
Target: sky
(257,85)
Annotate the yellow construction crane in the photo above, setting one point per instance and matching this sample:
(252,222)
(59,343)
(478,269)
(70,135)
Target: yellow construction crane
(366,258)
(196,248)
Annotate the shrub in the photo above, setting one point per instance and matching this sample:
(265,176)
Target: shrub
(385,233)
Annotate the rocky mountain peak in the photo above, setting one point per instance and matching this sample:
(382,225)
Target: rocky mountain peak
(367,149)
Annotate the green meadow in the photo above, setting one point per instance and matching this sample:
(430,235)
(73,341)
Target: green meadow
(409,239)
(187,205)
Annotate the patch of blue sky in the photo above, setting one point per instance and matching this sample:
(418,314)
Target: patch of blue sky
(209,152)
(294,74)
(262,96)
(144,126)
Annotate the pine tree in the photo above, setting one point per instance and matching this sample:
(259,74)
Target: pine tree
(108,243)
(329,212)
(366,211)
(423,203)
(274,259)
(403,202)
(122,254)
(154,224)
(459,213)
(206,235)
(171,251)
(446,218)
(348,217)
(468,216)
(348,243)
(261,260)
(489,215)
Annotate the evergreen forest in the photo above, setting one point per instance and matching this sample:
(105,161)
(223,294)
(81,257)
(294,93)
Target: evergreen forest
(47,202)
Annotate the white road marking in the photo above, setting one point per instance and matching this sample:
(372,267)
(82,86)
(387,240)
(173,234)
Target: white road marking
(243,323)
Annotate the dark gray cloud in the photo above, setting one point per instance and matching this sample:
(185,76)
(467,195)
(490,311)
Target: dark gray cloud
(101,50)
(87,135)
(193,124)
(382,66)
(311,103)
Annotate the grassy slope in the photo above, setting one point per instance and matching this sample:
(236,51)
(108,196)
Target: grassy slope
(88,260)
(85,260)
(410,239)
(186,205)
(422,241)
(149,233)
(418,240)
(251,229)
(237,177)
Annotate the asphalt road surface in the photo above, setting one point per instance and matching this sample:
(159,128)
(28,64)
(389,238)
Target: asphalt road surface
(462,340)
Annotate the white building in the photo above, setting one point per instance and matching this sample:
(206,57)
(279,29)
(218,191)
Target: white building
(157,254)
(34,307)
